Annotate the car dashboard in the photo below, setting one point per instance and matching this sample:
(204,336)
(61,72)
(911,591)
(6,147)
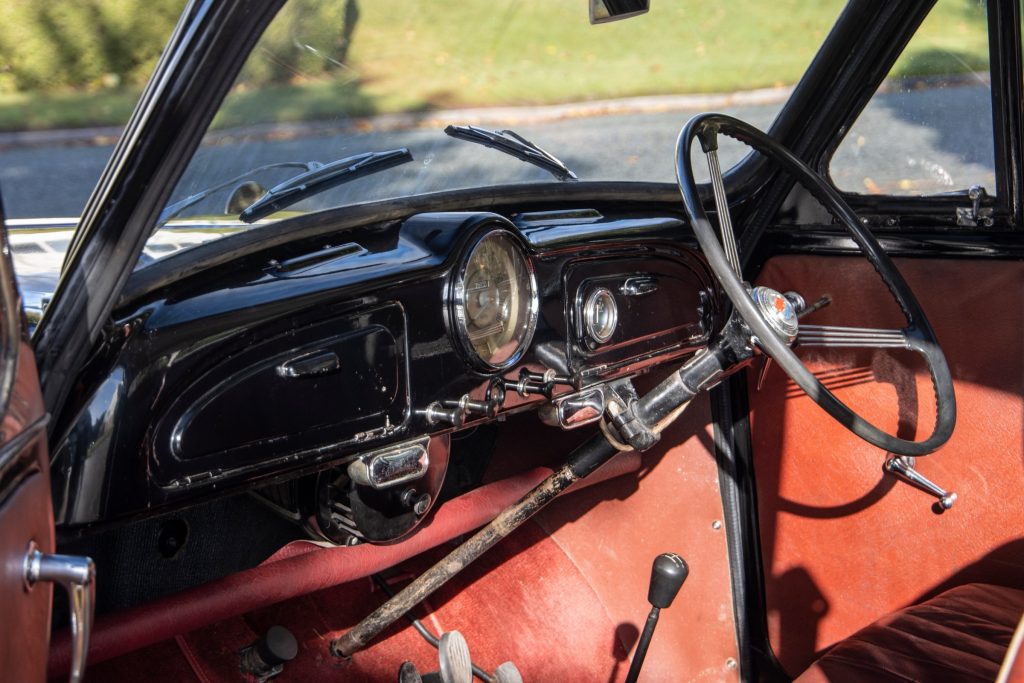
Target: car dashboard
(348,363)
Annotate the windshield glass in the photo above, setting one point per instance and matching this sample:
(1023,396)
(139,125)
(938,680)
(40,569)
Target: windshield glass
(330,80)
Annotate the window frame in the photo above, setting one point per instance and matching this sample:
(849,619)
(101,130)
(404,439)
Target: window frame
(1005,200)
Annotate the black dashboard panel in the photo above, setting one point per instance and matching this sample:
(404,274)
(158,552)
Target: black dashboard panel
(662,306)
(348,374)
(306,355)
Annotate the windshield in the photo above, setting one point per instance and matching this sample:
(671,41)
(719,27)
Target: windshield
(331,80)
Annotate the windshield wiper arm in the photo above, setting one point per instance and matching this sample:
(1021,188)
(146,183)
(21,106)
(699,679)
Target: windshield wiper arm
(322,178)
(512,143)
(177,207)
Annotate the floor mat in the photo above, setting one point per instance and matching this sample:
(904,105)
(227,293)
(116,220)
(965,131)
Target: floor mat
(524,601)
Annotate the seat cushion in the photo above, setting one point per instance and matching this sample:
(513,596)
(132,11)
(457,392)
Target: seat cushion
(959,635)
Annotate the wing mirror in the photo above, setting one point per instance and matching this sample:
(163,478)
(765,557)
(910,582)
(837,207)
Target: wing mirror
(603,11)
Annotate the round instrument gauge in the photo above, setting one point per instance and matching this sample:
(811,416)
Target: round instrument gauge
(600,315)
(495,301)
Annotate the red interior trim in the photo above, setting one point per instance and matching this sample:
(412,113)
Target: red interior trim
(843,542)
(301,568)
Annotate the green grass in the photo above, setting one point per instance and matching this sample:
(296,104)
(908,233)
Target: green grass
(953,39)
(70,109)
(417,56)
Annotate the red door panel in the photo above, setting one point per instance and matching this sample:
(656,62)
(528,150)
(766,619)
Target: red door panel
(25,628)
(26,516)
(844,543)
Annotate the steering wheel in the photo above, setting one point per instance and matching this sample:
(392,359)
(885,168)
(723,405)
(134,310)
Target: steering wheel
(918,334)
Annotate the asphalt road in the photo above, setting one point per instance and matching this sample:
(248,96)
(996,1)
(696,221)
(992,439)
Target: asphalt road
(930,140)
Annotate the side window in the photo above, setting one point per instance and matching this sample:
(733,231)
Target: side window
(928,129)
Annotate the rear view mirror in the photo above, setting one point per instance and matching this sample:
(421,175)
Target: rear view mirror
(603,11)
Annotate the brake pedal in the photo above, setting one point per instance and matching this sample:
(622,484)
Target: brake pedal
(507,673)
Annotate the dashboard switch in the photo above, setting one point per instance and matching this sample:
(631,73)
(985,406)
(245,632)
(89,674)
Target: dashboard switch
(533,383)
(438,414)
(484,408)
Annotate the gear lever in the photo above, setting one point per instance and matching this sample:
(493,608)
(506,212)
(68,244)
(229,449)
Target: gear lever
(667,576)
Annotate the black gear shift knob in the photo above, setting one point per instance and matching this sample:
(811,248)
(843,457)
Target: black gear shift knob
(667,576)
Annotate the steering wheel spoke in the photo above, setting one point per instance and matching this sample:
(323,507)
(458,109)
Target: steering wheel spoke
(837,336)
(722,208)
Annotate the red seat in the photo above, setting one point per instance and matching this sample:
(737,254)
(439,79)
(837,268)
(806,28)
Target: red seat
(960,635)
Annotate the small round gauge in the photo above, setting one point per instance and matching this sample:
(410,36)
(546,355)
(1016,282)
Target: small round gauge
(495,298)
(600,315)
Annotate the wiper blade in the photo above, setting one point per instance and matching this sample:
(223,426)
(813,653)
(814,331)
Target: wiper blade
(514,144)
(174,209)
(323,178)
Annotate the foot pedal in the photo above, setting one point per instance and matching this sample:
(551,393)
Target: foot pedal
(507,673)
(407,673)
(456,664)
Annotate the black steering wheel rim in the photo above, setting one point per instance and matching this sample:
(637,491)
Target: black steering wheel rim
(919,333)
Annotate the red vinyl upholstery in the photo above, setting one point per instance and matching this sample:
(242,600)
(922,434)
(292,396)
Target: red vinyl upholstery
(959,635)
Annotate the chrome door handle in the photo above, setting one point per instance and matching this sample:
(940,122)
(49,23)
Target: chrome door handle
(77,575)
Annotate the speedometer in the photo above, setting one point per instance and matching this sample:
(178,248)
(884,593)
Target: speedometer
(495,301)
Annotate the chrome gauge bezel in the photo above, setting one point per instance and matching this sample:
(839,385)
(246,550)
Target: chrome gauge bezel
(600,331)
(457,301)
